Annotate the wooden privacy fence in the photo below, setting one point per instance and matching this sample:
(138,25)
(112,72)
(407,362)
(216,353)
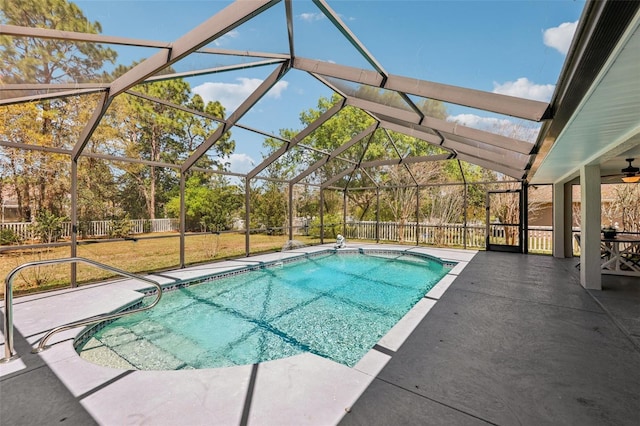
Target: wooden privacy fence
(96,228)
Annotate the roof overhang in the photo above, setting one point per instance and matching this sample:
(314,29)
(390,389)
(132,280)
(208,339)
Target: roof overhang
(597,100)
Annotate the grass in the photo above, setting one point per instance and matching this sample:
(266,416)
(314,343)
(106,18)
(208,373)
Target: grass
(141,256)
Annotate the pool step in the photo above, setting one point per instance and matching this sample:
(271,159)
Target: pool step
(133,350)
(170,341)
(96,352)
(145,346)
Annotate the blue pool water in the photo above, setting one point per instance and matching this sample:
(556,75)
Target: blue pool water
(334,305)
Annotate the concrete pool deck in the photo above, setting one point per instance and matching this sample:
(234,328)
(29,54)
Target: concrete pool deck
(59,386)
(514,340)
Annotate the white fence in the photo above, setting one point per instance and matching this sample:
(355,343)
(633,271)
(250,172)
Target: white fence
(444,235)
(540,237)
(96,228)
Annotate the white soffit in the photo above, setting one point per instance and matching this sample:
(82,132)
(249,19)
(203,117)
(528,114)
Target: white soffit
(607,123)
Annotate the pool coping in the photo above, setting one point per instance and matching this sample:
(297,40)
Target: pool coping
(304,389)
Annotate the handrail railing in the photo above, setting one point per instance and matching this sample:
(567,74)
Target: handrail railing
(8,303)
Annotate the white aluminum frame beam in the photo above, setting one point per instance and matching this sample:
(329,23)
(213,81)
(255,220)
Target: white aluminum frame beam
(413,131)
(342,72)
(488,138)
(47,33)
(395,148)
(224,21)
(288,9)
(220,120)
(407,160)
(247,53)
(91,125)
(204,115)
(54,86)
(69,152)
(175,106)
(499,155)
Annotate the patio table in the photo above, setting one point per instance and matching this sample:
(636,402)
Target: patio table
(622,255)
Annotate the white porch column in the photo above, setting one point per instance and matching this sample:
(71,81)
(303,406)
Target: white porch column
(590,272)
(562,220)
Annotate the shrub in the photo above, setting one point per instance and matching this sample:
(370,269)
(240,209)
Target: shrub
(332,226)
(120,228)
(48,227)
(8,236)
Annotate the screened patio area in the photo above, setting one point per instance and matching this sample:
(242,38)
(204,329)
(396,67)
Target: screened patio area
(96,157)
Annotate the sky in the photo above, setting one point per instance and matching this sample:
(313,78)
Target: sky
(513,47)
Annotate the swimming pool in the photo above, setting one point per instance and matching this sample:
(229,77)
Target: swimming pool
(336,305)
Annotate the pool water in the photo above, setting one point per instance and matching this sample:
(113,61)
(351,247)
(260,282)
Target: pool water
(334,305)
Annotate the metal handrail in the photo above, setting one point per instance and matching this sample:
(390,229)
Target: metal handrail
(8,303)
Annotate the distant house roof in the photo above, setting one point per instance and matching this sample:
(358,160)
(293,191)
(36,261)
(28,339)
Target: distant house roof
(544,193)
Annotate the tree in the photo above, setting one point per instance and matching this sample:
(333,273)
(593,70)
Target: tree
(156,133)
(306,201)
(270,208)
(47,226)
(625,207)
(404,181)
(332,134)
(198,128)
(34,60)
(211,203)
(160,133)
(39,178)
(399,202)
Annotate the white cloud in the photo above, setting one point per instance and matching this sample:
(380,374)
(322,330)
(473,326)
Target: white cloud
(523,88)
(560,37)
(231,95)
(502,126)
(240,163)
(477,122)
(311,17)
(226,38)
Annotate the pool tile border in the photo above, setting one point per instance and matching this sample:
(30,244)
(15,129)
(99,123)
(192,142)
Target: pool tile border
(182,283)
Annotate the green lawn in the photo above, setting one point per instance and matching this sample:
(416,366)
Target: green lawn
(143,255)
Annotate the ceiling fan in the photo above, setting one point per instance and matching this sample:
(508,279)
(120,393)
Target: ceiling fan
(631,173)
